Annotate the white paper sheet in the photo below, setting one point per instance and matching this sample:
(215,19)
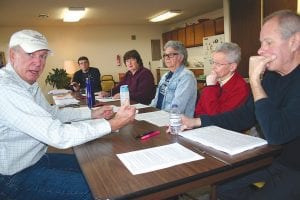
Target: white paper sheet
(64,99)
(151,159)
(59,91)
(159,118)
(65,102)
(105,99)
(137,106)
(230,142)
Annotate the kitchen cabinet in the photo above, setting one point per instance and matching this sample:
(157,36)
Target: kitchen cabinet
(199,34)
(219,25)
(174,35)
(209,28)
(192,35)
(166,37)
(189,36)
(181,35)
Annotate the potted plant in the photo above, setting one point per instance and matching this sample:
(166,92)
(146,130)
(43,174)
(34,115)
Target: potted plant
(58,78)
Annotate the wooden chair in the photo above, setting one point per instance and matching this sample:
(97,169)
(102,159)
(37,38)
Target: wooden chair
(107,82)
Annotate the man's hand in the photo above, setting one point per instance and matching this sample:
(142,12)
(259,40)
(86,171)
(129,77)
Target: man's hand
(189,123)
(103,94)
(257,67)
(124,116)
(75,86)
(116,96)
(212,78)
(105,112)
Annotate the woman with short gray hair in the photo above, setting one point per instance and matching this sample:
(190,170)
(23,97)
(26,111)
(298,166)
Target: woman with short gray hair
(178,86)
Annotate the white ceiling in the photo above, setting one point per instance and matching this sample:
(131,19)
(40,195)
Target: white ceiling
(100,12)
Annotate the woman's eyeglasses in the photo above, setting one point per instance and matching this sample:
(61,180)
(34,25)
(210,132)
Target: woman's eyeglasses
(170,55)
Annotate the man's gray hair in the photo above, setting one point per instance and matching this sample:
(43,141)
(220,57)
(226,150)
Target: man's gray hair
(288,21)
(179,47)
(231,50)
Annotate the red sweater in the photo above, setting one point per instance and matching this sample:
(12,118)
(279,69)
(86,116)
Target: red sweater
(216,99)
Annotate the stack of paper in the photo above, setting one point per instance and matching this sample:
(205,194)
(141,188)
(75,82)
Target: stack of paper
(59,91)
(158,118)
(224,140)
(65,99)
(105,99)
(156,158)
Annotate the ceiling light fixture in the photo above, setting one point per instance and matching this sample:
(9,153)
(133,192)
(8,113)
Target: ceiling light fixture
(74,14)
(165,15)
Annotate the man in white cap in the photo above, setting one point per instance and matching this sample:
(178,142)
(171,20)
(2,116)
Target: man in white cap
(29,124)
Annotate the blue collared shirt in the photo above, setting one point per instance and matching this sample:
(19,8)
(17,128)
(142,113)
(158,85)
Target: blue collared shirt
(180,90)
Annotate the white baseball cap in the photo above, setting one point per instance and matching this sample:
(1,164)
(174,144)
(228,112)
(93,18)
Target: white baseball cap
(29,40)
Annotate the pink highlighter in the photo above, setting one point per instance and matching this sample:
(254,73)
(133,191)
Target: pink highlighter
(149,135)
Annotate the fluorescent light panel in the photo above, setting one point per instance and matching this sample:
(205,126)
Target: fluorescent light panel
(74,14)
(166,15)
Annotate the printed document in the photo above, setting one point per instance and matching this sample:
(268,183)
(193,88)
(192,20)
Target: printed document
(158,118)
(64,100)
(151,159)
(230,142)
(59,91)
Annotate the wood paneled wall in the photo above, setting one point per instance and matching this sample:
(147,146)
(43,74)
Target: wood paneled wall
(245,27)
(246,23)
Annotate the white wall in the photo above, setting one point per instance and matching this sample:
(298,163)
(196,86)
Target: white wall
(99,44)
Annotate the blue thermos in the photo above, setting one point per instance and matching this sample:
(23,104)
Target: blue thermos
(90,96)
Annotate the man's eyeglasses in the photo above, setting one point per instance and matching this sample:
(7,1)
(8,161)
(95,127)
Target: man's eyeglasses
(218,64)
(170,55)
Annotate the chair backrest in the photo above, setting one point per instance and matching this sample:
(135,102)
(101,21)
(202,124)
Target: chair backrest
(107,82)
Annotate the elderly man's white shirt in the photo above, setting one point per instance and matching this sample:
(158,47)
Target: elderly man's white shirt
(28,123)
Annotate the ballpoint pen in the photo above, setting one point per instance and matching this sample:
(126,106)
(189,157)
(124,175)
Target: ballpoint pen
(149,135)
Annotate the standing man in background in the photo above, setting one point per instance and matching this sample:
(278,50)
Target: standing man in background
(78,81)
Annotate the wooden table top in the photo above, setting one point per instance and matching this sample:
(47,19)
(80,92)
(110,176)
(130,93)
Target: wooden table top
(108,178)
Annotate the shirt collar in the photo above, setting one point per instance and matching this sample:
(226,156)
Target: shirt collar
(223,82)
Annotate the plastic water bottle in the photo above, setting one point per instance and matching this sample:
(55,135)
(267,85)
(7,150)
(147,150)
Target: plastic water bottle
(124,94)
(90,96)
(175,120)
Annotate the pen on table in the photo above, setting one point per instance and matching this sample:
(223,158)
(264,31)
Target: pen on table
(151,134)
(143,134)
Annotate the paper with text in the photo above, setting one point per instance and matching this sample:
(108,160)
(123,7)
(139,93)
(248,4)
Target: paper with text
(158,118)
(59,91)
(65,99)
(151,159)
(230,142)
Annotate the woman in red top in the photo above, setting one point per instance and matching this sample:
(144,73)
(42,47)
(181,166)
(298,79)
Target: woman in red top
(225,87)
